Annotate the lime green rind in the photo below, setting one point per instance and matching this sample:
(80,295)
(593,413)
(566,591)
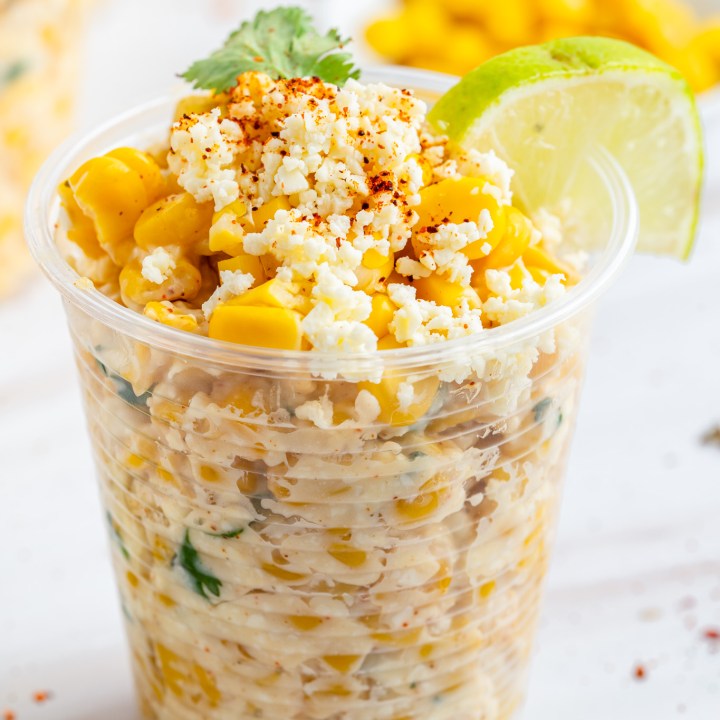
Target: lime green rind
(479,99)
(564,58)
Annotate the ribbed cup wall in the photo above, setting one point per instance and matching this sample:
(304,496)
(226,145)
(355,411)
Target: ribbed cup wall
(282,554)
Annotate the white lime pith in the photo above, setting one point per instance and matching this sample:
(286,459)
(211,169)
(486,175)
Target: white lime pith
(544,108)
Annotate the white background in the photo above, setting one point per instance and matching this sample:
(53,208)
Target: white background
(636,577)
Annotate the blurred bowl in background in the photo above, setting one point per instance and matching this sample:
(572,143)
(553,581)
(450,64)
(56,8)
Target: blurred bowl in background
(40,53)
(454,36)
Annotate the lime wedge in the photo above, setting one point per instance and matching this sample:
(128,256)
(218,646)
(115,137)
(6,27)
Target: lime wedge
(544,108)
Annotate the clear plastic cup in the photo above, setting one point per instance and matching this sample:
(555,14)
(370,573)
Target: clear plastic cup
(282,555)
(40,49)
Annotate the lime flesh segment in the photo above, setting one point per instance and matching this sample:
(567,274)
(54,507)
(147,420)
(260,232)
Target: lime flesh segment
(544,108)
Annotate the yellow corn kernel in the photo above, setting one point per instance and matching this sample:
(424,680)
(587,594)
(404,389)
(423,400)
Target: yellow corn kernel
(386,393)
(209,474)
(269,327)
(460,200)
(134,461)
(537,257)
(398,638)
(146,167)
(486,589)
(255,220)
(518,274)
(445,292)
(374,259)
(226,231)
(196,104)
(347,554)
(132,579)
(566,11)
(513,245)
(172,676)
(82,229)
(511,22)
(207,685)
(389,37)
(305,622)
(273,293)
(244,263)
(469,48)
(166,600)
(113,196)
(174,220)
(389,343)
(165,312)
(375,268)
(182,284)
(281,573)
(422,505)
(342,663)
(381,315)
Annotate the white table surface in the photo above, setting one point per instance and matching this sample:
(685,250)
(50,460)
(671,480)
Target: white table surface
(636,576)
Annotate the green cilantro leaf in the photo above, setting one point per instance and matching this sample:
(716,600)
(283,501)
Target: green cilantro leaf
(200,577)
(12,71)
(540,410)
(281,43)
(115,532)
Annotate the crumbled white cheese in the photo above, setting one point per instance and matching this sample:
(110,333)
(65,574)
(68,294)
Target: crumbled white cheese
(421,322)
(157,266)
(202,150)
(367,407)
(232,284)
(408,267)
(405,395)
(319,412)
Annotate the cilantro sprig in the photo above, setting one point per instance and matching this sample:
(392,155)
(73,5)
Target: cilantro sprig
(282,43)
(200,578)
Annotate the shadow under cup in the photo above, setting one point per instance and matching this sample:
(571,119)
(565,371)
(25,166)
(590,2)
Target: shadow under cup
(282,552)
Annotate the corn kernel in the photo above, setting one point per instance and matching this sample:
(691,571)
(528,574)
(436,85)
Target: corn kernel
(82,229)
(348,555)
(375,268)
(174,220)
(270,327)
(146,168)
(273,293)
(513,244)
(281,573)
(374,259)
(182,284)
(244,263)
(207,685)
(305,622)
(445,292)
(460,200)
(256,220)
(386,393)
(165,312)
(389,343)
(342,663)
(113,196)
(196,104)
(381,314)
(537,257)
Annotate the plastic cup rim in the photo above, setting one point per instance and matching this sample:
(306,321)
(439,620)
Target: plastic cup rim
(42,208)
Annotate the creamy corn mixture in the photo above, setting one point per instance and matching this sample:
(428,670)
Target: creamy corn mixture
(311,541)
(39,53)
